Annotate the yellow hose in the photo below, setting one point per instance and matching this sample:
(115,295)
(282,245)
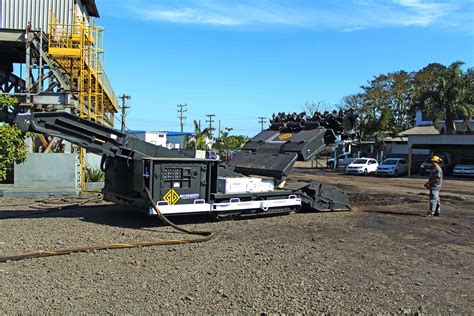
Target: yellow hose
(57,252)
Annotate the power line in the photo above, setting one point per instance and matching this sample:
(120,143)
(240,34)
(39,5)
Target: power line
(181,111)
(124,108)
(262,120)
(210,121)
(129,130)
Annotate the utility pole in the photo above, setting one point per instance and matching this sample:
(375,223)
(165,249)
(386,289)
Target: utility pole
(262,120)
(219,131)
(210,121)
(124,107)
(181,111)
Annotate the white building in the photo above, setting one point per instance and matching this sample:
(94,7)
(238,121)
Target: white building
(176,140)
(426,136)
(423,119)
(155,138)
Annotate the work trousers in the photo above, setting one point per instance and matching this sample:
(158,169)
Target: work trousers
(435,206)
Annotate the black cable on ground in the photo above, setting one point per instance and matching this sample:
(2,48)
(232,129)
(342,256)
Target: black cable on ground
(45,209)
(167,221)
(207,235)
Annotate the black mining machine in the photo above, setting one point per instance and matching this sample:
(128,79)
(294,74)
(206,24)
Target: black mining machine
(254,183)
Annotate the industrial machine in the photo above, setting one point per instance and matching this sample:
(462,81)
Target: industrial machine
(254,183)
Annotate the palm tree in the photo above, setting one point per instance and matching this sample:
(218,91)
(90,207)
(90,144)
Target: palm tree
(445,93)
(200,141)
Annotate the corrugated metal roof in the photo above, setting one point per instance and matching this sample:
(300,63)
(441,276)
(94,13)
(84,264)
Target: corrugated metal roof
(421,130)
(91,8)
(179,133)
(140,131)
(15,14)
(432,141)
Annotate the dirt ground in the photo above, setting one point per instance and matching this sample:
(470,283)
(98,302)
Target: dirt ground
(382,257)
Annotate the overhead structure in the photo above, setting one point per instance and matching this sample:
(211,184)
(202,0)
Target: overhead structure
(52,58)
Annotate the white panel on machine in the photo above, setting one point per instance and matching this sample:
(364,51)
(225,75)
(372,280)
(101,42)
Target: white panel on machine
(244,184)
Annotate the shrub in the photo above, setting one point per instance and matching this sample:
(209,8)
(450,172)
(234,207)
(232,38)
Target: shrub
(94,175)
(12,140)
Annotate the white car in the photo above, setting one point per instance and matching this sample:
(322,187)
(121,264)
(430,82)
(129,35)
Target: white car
(465,167)
(362,166)
(393,167)
(342,160)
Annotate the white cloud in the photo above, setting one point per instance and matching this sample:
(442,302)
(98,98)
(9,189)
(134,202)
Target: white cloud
(425,13)
(344,15)
(353,29)
(215,13)
(187,15)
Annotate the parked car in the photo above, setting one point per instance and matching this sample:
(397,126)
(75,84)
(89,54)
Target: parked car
(362,166)
(230,154)
(342,160)
(393,167)
(465,167)
(213,155)
(446,164)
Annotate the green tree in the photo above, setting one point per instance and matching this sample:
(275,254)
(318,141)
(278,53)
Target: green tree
(445,93)
(392,91)
(228,142)
(200,140)
(12,140)
(401,90)
(385,104)
(367,114)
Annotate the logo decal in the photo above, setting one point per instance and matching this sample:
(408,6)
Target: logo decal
(171,197)
(285,136)
(189,196)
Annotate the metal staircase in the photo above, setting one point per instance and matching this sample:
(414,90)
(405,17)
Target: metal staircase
(78,51)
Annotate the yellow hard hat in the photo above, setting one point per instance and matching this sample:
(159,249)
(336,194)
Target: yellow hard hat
(435,159)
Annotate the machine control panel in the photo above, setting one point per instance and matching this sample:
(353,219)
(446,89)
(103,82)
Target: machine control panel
(172,174)
(181,183)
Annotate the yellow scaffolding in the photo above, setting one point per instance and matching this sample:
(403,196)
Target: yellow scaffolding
(78,50)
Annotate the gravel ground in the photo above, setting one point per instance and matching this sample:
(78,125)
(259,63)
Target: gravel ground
(383,257)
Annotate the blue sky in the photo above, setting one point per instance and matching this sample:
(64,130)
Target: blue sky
(245,59)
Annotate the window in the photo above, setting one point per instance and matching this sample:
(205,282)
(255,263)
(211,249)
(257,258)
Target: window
(426,117)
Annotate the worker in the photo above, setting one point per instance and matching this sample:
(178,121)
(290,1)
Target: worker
(434,185)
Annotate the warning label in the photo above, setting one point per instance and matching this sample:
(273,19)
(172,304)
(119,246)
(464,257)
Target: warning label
(285,136)
(171,197)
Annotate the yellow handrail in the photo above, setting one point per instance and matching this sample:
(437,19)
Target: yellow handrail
(81,40)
